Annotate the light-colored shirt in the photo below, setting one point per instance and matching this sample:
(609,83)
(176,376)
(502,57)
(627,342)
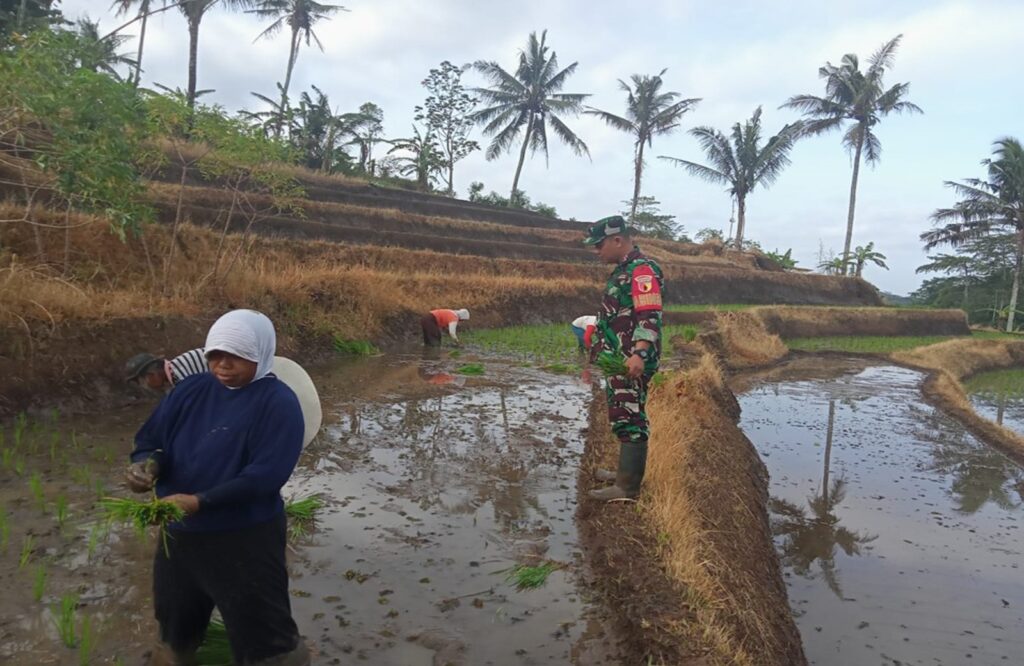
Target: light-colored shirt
(192,362)
(584,321)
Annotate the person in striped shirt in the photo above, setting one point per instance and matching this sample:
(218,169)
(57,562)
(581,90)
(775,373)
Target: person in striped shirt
(161,374)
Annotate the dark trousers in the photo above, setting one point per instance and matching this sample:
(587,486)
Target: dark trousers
(431,331)
(242,573)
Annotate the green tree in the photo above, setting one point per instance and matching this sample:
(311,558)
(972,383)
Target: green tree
(785,259)
(424,160)
(366,132)
(527,103)
(446,115)
(986,208)
(708,234)
(300,16)
(833,266)
(741,162)
(194,11)
(24,16)
(649,220)
(860,99)
(649,113)
(99,54)
(867,253)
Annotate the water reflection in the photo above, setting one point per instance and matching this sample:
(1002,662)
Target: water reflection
(979,476)
(805,538)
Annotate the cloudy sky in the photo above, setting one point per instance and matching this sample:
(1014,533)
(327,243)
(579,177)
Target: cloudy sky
(958,57)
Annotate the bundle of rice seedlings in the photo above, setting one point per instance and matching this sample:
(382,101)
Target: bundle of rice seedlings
(215,649)
(611,364)
(301,515)
(142,514)
(471,369)
(527,577)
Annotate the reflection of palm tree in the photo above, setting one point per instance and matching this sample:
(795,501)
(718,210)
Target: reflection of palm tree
(980,475)
(807,538)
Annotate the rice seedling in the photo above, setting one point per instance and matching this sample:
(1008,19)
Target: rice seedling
(354,347)
(35,484)
(97,533)
(60,510)
(301,515)
(470,369)
(20,422)
(215,649)
(526,577)
(610,364)
(27,546)
(34,430)
(82,476)
(5,528)
(1008,383)
(142,514)
(86,642)
(39,582)
(54,441)
(64,619)
(19,466)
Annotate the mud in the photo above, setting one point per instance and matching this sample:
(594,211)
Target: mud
(899,532)
(436,486)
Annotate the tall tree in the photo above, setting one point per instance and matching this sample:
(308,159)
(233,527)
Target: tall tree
(424,159)
(741,162)
(864,254)
(527,102)
(648,219)
(446,114)
(649,112)
(861,99)
(366,131)
(142,14)
(988,207)
(194,11)
(99,54)
(299,16)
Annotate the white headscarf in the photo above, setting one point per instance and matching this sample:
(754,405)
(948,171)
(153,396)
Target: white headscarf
(247,334)
(462,314)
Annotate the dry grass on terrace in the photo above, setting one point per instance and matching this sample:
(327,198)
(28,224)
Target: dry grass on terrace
(706,492)
(810,322)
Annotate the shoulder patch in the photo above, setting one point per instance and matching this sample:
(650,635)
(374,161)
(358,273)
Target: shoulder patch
(646,289)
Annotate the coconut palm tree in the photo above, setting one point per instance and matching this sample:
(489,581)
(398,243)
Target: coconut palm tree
(862,255)
(194,11)
(528,102)
(986,208)
(299,16)
(649,112)
(123,8)
(99,54)
(861,98)
(742,163)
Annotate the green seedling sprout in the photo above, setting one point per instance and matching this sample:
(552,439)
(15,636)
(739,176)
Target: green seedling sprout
(610,364)
(87,642)
(35,484)
(54,440)
(39,582)
(470,369)
(142,514)
(19,466)
(526,577)
(301,514)
(27,545)
(64,619)
(60,510)
(20,421)
(97,532)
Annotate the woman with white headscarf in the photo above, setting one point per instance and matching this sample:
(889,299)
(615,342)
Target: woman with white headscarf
(221,446)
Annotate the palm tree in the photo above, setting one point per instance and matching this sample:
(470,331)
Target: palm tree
(299,15)
(862,255)
(99,54)
(425,160)
(125,6)
(194,11)
(649,112)
(743,163)
(988,207)
(528,102)
(951,263)
(860,97)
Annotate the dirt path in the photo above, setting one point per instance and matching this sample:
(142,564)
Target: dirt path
(436,484)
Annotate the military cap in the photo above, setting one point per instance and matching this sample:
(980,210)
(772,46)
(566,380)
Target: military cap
(605,227)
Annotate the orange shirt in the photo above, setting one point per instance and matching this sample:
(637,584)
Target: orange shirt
(444,317)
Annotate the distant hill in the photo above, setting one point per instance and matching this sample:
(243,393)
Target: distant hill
(893,299)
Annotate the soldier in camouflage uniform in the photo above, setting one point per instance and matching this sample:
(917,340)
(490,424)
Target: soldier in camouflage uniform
(629,328)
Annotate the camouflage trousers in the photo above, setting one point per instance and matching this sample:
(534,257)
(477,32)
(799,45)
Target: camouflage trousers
(627,402)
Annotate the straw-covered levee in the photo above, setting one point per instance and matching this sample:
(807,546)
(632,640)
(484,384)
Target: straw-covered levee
(741,340)
(953,361)
(811,322)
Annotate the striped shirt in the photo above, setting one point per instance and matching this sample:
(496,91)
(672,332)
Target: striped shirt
(192,362)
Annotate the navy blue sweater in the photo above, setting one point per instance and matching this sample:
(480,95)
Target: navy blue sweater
(232,448)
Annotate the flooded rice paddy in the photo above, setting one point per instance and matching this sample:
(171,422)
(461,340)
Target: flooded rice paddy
(999,397)
(436,485)
(899,533)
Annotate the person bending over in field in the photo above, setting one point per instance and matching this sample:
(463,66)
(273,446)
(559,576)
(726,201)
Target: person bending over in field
(583,328)
(221,446)
(160,374)
(437,320)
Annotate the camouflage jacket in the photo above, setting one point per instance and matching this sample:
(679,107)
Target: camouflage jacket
(631,309)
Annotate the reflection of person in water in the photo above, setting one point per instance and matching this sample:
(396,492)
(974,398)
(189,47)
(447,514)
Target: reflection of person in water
(441,378)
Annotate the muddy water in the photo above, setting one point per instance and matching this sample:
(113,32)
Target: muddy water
(900,534)
(436,484)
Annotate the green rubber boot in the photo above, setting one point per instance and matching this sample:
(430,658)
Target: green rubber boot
(632,463)
(606,475)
